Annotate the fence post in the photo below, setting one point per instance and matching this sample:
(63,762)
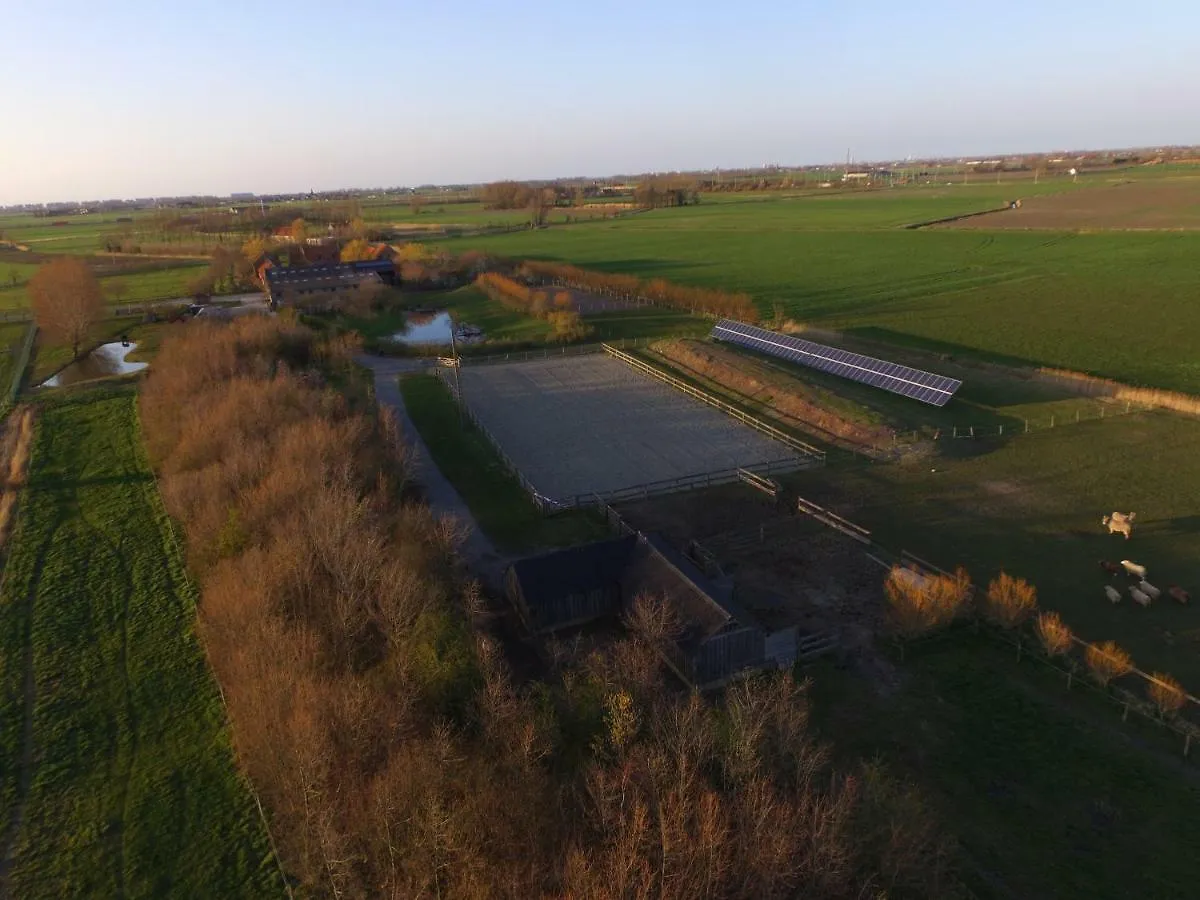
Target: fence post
(1126,406)
(956,431)
(1026,426)
(1001,431)
(1077,416)
(1052,421)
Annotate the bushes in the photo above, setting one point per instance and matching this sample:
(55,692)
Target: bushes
(566,324)
(1107,661)
(919,604)
(1009,601)
(1165,693)
(657,290)
(1054,634)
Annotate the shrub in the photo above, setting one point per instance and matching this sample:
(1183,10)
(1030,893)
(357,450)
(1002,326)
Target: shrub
(919,604)
(1166,693)
(1009,601)
(1054,634)
(1107,661)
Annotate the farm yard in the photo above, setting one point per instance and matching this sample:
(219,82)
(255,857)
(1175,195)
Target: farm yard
(588,424)
(117,776)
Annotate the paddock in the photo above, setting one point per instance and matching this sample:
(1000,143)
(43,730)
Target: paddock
(583,425)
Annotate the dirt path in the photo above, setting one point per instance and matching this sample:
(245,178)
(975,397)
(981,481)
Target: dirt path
(477,550)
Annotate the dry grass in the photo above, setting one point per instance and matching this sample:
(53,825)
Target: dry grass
(15,446)
(1106,387)
(1055,635)
(1009,601)
(1166,693)
(919,604)
(786,395)
(1107,661)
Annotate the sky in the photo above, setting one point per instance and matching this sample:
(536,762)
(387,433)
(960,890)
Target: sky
(130,98)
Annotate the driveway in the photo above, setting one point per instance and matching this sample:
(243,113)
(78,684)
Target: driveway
(477,551)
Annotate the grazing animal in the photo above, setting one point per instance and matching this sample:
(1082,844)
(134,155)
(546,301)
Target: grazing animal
(1138,597)
(1178,593)
(1149,590)
(1112,593)
(1120,523)
(1134,569)
(1111,568)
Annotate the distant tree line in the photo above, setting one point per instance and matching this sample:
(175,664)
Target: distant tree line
(723,304)
(655,193)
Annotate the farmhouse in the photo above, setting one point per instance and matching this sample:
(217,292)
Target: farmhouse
(714,640)
(289,286)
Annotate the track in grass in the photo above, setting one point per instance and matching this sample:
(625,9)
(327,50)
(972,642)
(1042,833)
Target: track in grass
(122,781)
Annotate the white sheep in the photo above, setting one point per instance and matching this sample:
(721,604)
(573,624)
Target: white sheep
(1134,569)
(1119,523)
(1112,593)
(1138,597)
(1148,589)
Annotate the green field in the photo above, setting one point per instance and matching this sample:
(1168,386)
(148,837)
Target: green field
(1032,505)
(122,776)
(496,499)
(139,286)
(1119,304)
(1047,792)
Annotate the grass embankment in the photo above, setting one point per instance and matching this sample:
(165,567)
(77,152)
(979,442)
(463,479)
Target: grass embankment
(1040,785)
(122,778)
(497,501)
(1061,299)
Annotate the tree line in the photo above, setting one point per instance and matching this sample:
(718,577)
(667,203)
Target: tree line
(920,604)
(565,322)
(376,715)
(659,291)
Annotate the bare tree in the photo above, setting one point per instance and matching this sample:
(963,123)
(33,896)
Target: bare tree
(67,301)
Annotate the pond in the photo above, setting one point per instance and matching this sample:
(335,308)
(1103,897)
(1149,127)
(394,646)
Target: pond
(106,360)
(434,328)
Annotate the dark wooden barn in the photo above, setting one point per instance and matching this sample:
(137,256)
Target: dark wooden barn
(715,639)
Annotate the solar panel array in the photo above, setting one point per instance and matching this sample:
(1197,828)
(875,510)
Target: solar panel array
(908,382)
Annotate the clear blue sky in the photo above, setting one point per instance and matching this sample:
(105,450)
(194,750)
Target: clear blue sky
(138,98)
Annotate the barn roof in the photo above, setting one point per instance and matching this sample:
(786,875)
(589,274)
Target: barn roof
(704,606)
(574,570)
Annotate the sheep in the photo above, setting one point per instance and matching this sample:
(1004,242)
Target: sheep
(1179,594)
(1149,590)
(1112,593)
(1119,523)
(1138,597)
(1111,568)
(1134,569)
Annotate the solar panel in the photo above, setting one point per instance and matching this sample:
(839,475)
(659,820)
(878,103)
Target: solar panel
(908,382)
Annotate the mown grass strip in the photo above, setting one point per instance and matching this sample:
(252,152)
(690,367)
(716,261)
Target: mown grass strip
(131,788)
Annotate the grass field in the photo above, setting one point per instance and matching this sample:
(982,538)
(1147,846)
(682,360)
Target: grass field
(1047,792)
(1033,505)
(1061,298)
(496,499)
(122,778)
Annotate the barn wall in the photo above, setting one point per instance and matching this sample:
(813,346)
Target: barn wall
(577,608)
(725,654)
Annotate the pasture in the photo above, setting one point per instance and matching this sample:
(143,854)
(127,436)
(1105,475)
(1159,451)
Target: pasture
(590,424)
(1113,304)
(117,774)
(1032,507)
